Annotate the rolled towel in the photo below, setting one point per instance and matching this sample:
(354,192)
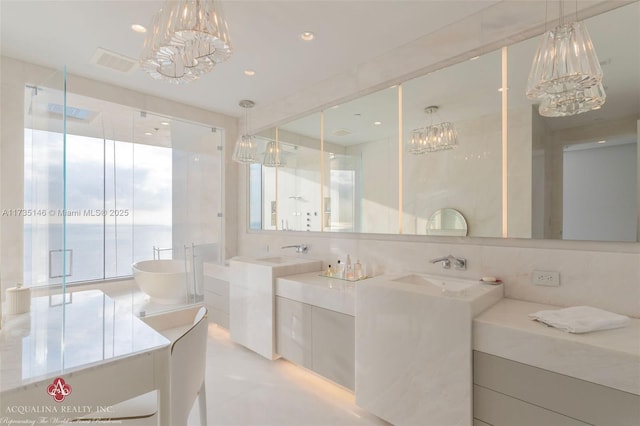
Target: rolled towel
(580,319)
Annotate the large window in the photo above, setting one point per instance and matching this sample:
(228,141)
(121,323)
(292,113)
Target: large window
(118,206)
(114,186)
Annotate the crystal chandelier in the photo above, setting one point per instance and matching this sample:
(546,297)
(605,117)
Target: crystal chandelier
(187,39)
(432,137)
(246,151)
(565,75)
(273,156)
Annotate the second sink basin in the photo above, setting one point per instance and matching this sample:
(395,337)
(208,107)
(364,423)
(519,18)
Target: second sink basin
(452,285)
(273,259)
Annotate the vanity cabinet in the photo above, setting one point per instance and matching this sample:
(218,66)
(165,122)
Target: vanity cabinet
(318,339)
(216,298)
(509,393)
(252,289)
(293,331)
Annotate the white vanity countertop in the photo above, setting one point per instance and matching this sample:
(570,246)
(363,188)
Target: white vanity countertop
(217,270)
(608,357)
(55,339)
(314,289)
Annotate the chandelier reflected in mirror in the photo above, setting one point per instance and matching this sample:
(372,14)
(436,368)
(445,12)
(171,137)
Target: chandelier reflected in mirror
(566,76)
(187,39)
(432,137)
(246,151)
(273,155)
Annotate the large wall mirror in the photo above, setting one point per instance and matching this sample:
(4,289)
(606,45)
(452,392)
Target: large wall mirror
(467,177)
(579,174)
(350,168)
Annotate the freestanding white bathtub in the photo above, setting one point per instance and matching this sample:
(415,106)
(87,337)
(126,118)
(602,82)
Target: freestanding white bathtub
(163,280)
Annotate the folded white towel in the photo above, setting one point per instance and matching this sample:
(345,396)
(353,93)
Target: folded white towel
(581,319)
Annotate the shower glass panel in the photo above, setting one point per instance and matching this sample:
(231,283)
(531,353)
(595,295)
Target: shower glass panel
(137,185)
(197,228)
(47,257)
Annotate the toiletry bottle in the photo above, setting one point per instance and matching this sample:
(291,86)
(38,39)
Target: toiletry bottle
(329,272)
(337,272)
(357,270)
(348,271)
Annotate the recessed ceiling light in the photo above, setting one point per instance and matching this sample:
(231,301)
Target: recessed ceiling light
(602,141)
(138,28)
(250,73)
(474,58)
(164,123)
(148,134)
(377,123)
(307,36)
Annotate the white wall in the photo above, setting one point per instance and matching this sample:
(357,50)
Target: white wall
(591,211)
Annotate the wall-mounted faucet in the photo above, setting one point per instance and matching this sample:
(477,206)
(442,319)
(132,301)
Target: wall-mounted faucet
(300,248)
(459,263)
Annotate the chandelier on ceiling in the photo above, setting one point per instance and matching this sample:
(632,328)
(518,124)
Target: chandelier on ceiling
(187,39)
(565,75)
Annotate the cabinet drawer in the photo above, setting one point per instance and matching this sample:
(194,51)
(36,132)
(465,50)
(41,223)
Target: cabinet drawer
(293,331)
(216,301)
(334,341)
(589,402)
(216,286)
(502,410)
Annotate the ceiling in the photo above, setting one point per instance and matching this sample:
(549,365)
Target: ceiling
(469,90)
(265,36)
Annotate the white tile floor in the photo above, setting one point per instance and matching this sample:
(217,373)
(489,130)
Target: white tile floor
(243,388)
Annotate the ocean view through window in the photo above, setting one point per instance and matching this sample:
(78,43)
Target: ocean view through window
(119,198)
(107,185)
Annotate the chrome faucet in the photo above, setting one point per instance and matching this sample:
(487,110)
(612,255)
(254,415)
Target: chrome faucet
(459,263)
(300,248)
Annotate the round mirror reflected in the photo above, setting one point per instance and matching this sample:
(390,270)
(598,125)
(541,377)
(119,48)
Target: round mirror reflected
(447,222)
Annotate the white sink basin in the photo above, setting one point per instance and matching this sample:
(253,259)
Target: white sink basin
(273,260)
(451,286)
(276,261)
(413,346)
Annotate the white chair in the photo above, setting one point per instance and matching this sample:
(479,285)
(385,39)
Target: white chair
(187,375)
